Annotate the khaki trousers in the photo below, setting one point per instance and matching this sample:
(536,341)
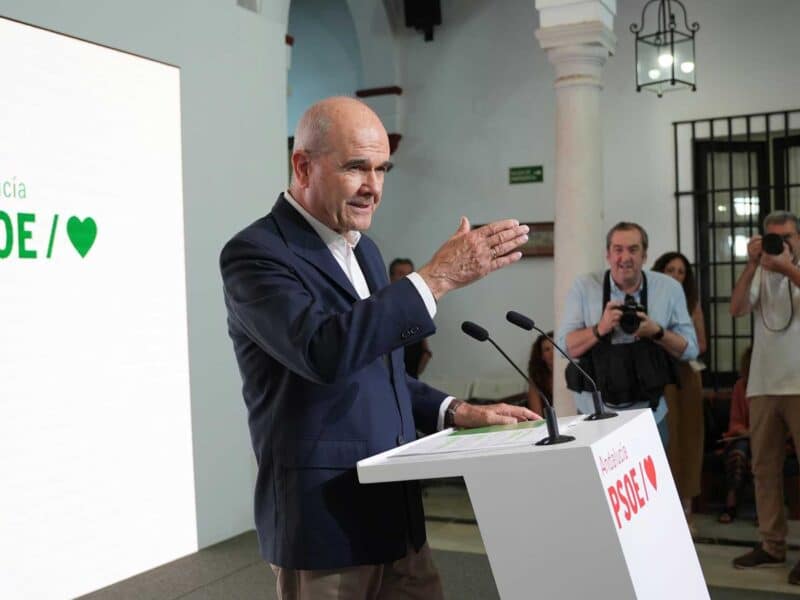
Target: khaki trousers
(771,419)
(685,421)
(413,577)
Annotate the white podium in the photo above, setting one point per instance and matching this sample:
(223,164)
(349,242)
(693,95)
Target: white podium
(598,517)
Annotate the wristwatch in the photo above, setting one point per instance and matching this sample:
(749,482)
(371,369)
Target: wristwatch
(596,332)
(658,334)
(450,413)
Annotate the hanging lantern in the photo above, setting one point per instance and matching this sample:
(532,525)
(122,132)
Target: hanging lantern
(665,56)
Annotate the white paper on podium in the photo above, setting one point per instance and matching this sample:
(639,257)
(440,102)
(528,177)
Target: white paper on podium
(484,438)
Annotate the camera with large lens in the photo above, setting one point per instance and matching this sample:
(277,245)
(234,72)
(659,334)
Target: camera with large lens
(772,243)
(629,321)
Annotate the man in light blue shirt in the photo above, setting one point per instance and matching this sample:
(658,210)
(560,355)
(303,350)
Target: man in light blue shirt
(585,322)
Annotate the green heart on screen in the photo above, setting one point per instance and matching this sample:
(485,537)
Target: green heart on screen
(82,234)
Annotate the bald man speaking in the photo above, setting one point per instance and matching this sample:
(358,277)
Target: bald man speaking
(318,333)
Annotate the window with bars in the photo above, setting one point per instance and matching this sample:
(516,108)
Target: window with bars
(730,172)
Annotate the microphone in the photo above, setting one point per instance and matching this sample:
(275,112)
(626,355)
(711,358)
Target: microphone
(477,332)
(527,323)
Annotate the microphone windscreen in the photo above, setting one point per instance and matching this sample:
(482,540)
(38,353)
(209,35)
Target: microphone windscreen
(474,330)
(519,320)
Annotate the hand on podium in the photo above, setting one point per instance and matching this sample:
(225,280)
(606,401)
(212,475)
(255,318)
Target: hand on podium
(469,415)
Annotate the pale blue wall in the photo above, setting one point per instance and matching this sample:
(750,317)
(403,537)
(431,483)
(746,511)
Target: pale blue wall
(326,59)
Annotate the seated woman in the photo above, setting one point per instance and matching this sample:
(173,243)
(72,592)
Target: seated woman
(540,372)
(737,449)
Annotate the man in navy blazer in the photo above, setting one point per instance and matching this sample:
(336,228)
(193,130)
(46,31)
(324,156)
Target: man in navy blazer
(318,333)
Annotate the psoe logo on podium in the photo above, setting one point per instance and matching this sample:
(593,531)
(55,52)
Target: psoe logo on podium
(635,476)
(633,490)
(644,511)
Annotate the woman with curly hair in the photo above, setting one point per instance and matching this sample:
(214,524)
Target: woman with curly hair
(540,372)
(685,400)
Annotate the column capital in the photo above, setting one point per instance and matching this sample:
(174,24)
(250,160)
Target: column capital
(590,33)
(564,12)
(577,51)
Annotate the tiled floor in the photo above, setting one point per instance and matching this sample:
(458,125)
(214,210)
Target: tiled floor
(448,510)
(232,570)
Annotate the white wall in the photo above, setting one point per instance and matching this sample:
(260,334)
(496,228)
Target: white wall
(480,99)
(746,63)
(233,82)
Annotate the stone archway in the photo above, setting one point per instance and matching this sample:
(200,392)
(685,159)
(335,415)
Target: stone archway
(381,88)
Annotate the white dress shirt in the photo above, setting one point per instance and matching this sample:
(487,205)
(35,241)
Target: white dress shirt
(343,249)
(776,306)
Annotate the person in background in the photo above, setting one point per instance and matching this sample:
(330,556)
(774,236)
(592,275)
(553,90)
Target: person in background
(685,400)
(540,372)
(737,449)
(417,354)
(769,287)
(631,358)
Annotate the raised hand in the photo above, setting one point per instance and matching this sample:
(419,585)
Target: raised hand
(471,254)
(610,318)
(754,248)
(779,263)
(647,326)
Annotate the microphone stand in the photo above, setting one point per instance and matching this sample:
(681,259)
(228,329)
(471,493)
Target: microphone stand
(599,412)
(553,434)
(527,323)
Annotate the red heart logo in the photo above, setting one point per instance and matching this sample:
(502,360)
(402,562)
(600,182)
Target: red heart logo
(650,471)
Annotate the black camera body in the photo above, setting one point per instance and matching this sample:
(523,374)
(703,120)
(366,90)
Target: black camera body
(629,321)
(772,243)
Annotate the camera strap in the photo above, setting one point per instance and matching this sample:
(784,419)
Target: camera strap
(647,361)
(607,291)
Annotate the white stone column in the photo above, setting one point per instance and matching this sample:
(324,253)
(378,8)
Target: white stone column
(578,38)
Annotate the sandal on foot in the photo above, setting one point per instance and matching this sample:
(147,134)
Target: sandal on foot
(727,515)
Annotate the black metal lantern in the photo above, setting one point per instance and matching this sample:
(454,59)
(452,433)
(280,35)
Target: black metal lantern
(665,57)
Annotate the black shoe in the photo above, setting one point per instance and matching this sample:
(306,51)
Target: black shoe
(760,558)
(794,575)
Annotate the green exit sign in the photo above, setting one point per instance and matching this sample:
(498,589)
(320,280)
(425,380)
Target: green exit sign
(532,174)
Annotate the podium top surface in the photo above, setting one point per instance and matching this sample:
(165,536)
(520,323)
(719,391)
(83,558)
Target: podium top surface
(412,461)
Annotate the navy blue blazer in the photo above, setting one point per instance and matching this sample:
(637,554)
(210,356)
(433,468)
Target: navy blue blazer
(325,386)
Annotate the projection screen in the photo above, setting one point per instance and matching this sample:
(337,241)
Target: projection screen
(96,473)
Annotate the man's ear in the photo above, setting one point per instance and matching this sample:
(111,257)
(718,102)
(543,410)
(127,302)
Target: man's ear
(301,167)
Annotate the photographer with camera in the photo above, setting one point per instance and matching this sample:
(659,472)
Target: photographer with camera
(626,328)
(769,287)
